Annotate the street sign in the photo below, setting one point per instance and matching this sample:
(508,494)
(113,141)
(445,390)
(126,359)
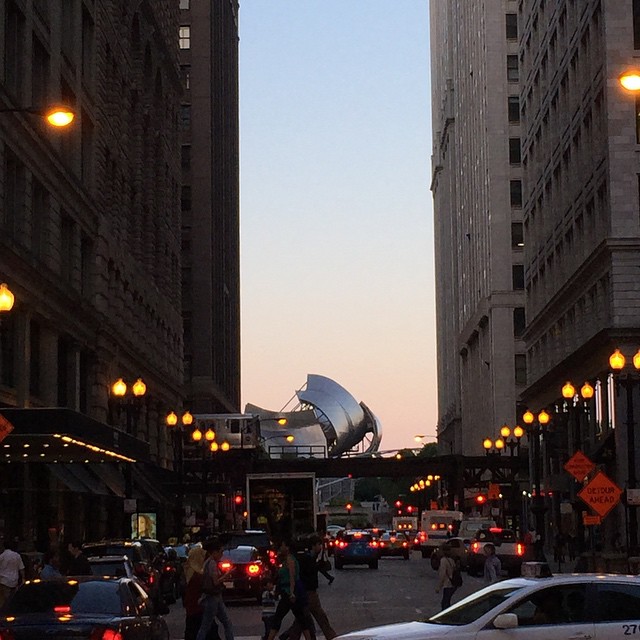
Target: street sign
(602,494)
(579,466)
(494,491)
(5,428)
(589,520)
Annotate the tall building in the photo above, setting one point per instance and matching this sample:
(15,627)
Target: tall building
(477,191)
(210,204)
(90,237)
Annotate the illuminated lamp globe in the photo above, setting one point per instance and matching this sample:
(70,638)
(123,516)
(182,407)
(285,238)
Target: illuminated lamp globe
(139,388)
(436,477)
(421,484)
(119,388)
(171,419)
(59,116)
(568,391)
(225,446)
(528,418)
(617,360)
(6,298)
(412,489)
(290,438)
(505,432)
(210,435)
(187,419)
(282,421)
(196,435)
(427,483)
(518,431)
(636,360)
(214,446)
(543,417)
(429,477)
(487,443)
(587,391)
(630,80)
(499,444)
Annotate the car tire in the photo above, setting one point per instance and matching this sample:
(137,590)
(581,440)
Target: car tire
(406,556)
(425,553)
(373,565)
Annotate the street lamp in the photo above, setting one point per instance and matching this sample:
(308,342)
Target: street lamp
(630,80)
(571,397)
(131,405)
(6,298)
(58,116)
(617,362)
(535,427)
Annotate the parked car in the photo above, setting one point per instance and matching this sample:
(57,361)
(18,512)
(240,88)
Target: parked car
(511,552)
(565,606)
(112,566)
(333,530)
(244,572)
(394,543)
(356,547)
(169,579)
(87,607)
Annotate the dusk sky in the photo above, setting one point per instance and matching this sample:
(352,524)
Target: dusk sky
(336,212)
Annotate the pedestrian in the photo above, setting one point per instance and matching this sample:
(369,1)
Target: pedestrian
(50,566)
(193,574)
(530,536)
(269,605)
(309,575)
(324,564)
(571,547)
(492,564)
(291,590)
(11,571)
(445,576)
(78,565)
(558,548)
(212,604)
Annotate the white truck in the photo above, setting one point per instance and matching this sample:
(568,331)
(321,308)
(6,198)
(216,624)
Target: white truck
(408,524)
(436,526)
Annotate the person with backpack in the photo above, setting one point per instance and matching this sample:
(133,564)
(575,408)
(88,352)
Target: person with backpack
(449,576)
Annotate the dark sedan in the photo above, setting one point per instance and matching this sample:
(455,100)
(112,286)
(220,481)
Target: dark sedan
(244,571)
(356,547)
(83,607)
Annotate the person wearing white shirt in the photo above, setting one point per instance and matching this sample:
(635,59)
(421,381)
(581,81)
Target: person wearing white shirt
(11,572)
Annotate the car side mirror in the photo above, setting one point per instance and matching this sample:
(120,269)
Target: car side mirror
(506,621)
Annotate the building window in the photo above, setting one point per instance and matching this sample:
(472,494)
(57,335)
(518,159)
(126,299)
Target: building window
(66,248)
(512,26)
(637,119)
(519,322)
(88,45)
(86,262)
(34,358)
(184,37)
(521,368)
(185,74)
(515,193)
(184,4)
(636,24)
(185,198)
(40,74)
(515,156)
(7,353)
(14,193)
(39,216)
(517,235)
(517,277)
(514,109)
(185,117)
(513,75)
(185,159)
(14,48)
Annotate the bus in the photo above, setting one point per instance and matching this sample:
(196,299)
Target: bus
(435,527)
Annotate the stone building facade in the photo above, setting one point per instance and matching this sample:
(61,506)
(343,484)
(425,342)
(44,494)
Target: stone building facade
(477,190)
(90,225)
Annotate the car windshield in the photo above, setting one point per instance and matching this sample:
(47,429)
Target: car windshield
(82,597)
(132,552)
(259,540)
(239,554)
(111,568)
(358,537)
(473,606)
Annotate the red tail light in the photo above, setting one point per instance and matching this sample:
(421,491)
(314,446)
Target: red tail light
(62,609)
(169,569)
(519,549)
(139,569)
(225,565)
(405,544)
(253,569)
(152,578)
(475,547)
(373,543)
(106,634)
(382,544)
(342,544)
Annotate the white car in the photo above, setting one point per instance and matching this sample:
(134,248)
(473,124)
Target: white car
(567,607)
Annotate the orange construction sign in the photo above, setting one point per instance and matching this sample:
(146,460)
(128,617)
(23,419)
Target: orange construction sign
(579,466)
(589,520)
(5,428)
(494,491)
(602,494)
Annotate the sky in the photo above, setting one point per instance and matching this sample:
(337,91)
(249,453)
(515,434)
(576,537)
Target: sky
(337,273)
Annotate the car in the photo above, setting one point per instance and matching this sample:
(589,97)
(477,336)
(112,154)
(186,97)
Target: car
(356,547)
(174,567)
(112,566)
(244,572)
(330,537)
(394,543)
(85,607)
(459,552)
(138,554)
(252,538)
(169,578)
(577,606)
(419,540)
(509,550)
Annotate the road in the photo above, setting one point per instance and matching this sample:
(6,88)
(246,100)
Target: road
(359,597)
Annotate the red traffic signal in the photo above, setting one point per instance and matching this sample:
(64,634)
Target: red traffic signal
(238,499)
(409,509)
(398,503)
(480,499)
(348,507)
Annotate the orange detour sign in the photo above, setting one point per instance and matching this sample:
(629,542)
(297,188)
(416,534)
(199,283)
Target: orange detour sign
(589,520)
(5,428)
(579,466)
(602,494)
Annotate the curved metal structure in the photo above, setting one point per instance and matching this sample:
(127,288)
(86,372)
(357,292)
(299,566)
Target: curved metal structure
(327,416)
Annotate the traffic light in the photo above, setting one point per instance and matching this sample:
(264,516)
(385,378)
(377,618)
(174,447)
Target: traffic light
(398,503)
(409,509)
(238,501)
(481,499)
(348,507)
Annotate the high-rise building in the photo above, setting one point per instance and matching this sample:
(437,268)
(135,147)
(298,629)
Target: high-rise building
(477,190)
(90,237)
(208,37)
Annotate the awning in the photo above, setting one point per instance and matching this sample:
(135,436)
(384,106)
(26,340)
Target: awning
(85,474)
(146,484)
(72,482)
(111,476)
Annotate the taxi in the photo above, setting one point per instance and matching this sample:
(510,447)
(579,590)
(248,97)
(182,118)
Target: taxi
(568,606)
(394,543)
